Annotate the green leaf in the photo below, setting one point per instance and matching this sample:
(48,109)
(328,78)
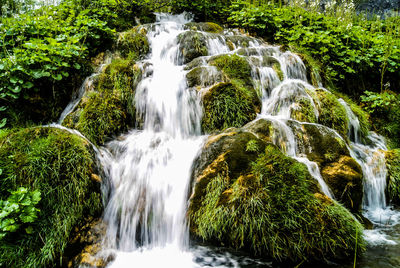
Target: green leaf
(57,77)
(28,85)
(77,66)
(3,122)
(29,230)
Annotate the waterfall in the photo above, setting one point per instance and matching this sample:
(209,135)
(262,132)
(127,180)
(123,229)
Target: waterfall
(149,169)
(372,161)
(147,172)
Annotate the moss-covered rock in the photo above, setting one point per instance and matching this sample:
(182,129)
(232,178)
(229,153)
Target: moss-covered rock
(239,40)
(340,171)
(59,165)
(209,27)
(331,113)
(133,44)
(109,109)
(192,45)
(231,103)
(86,244)
(393,166)
(303,110)
(235,67)
(266,203)
(204,76)
(228,105)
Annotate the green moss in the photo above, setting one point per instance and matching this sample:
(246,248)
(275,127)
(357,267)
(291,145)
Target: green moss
(102,117)
(110,109)
(59,165)
(235,67)
(192,45)
(304,111)
(331,113)
(133,44)
(278,70)
(393,166)
(227,105)
(273,212)
(209,27)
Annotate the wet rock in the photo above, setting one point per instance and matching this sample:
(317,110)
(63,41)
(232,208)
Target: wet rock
(204,76)
(86,245)
(209,27)
(192,45)
(344,178)
(339,170)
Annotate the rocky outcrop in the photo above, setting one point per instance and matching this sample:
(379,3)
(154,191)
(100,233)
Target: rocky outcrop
(248,195)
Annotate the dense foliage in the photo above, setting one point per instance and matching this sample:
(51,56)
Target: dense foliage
(59,165)
(357,54)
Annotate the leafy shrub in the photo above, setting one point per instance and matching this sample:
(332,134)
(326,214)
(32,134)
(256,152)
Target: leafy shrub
(203,10)
(19,209)
(384,109)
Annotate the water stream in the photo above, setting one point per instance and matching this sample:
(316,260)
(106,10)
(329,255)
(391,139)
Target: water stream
(147,172)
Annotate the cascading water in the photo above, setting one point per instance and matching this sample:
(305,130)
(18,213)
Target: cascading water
(148,171)
(372,161)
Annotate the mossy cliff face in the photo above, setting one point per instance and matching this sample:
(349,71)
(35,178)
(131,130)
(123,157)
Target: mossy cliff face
(248,195)
(59,165)
(393,166)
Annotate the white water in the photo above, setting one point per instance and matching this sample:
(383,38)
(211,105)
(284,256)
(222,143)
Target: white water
(372,161)
(149,170)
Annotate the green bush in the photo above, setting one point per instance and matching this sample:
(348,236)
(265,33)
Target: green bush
(203,10)
(18,210)
(384,109)
(59,165)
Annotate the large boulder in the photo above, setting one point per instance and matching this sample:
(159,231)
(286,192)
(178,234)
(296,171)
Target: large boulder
(340,171)
(324,146)
(248,195)
(60,166)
